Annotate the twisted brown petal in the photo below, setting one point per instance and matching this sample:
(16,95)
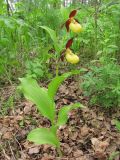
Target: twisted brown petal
(69,43)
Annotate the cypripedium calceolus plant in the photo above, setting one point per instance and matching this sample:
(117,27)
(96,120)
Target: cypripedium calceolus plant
(68,54)
(44,100)
(73,24)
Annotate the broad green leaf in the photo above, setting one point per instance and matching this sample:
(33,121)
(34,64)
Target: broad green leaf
(43,136)
(54,129)
(53,36)
(63,113)
(51,32)
(39,96)
(56,82)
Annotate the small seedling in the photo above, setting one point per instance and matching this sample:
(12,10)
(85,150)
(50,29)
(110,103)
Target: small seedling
(117,124)
(44,100)
(114,155)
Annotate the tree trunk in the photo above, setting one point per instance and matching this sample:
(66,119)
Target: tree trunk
(8,8)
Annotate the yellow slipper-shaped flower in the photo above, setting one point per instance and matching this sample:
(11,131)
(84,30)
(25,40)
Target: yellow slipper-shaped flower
(71,57)
(75,27)
(73,24)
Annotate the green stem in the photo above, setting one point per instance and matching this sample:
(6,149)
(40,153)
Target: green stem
(57,68)
(59,152)
(8,76)
(96,25)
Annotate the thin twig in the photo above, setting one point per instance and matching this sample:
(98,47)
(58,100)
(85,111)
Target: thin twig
(18,143)
(6,156)
(12,151)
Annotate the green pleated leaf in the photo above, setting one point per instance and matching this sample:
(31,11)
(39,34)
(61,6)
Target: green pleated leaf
(39,96)
(56,82)
(53,36)
(63,113)
(51,32)
(43,136)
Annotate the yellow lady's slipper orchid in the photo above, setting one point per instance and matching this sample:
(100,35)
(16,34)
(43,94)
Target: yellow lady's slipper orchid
(75,27)
(73,24)
(71,57)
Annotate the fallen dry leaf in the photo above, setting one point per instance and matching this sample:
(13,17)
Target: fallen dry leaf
(99,147)
(84,130)
(34,150)
(78,153)
(7,135)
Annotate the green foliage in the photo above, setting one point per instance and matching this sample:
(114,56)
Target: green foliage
(15,40)
(54,38)
(101,31)
(43,136)
(117,124)
(114,155)
(34,69)
(44,100)
(63,113)
(55,83)
(39,96)
(51,33)
(8,104)
(22,33)
(37,68)
(102,83)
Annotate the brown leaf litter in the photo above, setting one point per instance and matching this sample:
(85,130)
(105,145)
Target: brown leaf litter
(90,133)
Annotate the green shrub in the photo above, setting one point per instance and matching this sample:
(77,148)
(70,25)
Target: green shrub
(37,68)
(102,83)
(117,124)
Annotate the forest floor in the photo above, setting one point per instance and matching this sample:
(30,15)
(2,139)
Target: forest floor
(90,133)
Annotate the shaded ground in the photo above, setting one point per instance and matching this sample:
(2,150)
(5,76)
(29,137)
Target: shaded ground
(90,133)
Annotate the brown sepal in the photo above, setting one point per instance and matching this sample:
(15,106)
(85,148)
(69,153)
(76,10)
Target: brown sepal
(69,43)
(62,56)
(73,13)
(67,23)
